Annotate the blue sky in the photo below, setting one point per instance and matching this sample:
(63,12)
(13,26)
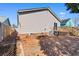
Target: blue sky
(10,10)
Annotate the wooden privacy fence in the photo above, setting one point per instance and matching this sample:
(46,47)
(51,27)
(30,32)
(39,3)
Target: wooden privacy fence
(7,31)
(8,44)
(70,30)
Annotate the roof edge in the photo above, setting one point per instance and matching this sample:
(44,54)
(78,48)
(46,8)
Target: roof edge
(38,9)
(32,9)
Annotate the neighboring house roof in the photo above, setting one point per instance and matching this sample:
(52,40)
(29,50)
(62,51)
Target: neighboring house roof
(24,11)
(67,22)
(64,21)
(14,26)
(3,19)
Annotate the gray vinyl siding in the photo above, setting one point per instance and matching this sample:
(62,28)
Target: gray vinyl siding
(36,22)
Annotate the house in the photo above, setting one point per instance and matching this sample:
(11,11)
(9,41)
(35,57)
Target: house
(4,27)
(37,20)
(78,25)
(67,23)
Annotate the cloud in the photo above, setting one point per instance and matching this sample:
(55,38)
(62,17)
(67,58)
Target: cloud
(62,13)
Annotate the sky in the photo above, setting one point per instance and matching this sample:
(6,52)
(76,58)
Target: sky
(10,10)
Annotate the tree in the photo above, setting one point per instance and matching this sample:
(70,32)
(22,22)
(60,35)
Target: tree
(73,7)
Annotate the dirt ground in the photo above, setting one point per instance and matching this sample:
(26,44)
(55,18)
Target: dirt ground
(29,46)
(47,46)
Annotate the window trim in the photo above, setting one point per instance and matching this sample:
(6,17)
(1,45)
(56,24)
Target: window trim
(55,26)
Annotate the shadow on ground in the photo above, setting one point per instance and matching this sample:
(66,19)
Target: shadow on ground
(59,46)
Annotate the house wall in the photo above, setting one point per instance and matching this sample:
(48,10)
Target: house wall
(36,22)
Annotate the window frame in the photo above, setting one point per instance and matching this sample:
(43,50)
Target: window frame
(55,26)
